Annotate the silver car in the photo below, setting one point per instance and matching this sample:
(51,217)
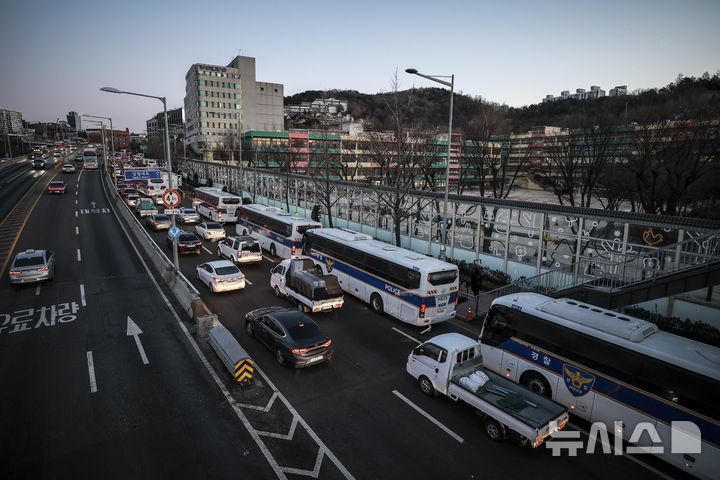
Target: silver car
(188,215)
(32,266)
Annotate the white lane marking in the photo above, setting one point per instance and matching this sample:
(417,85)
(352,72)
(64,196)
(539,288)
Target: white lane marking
(77,231)
(134,330)
(268,258)
(76,213)
(91,371)
(207,250)
(37,289)
(76,201)
(629,457)
(429,417)
(81,172)
(76,191)
(408,336)
(248,281)
(279,471)
(82,295)
(79,258)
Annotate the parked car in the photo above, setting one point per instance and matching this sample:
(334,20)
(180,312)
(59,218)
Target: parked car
(32,266)
(132,200)
(293,336)
(210,231)
(188,215)
(159,222)
(187,242)
(57,186)
(68,168)
(220,276)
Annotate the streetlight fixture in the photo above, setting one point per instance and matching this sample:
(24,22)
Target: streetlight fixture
(451,84)
(112,139)
(168,162)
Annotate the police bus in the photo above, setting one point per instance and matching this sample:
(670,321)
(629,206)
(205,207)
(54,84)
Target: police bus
(407,285)
(277,231)
(615,369)
(215,204)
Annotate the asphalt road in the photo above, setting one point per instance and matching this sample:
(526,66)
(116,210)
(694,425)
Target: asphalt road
(357,416)
(156,420)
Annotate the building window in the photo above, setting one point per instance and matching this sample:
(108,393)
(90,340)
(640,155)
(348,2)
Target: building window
(201,93)
(237,96)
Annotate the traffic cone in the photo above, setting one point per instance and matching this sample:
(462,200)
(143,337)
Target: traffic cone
(469,315)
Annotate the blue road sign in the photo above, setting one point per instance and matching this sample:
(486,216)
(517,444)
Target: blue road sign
(174,232)
(142,174)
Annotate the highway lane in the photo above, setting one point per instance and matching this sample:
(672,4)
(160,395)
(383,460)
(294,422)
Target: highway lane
(351,404)
(17,178)
(77,397)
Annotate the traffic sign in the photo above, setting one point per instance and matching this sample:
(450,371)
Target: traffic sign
(171,198)
(174,232)
(172,211)
(142,174)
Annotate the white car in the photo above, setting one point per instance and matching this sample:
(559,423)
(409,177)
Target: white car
(242,249)
(220,276)
(132,200)
(210,231)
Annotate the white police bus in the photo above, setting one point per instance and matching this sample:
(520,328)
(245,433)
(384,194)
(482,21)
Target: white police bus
(407,285)
(90,158)
(215,204)
(609,367)
(277,231)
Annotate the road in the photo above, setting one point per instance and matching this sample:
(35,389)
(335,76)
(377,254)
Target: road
(358,416)
(77,399)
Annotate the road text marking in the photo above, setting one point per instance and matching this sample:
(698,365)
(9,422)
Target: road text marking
(82,295)
(427,415)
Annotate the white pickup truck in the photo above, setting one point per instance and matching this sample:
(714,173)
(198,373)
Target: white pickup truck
(299,280)
(242,249)
(451,364)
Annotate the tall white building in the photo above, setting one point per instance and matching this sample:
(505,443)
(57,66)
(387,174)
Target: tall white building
(216,95)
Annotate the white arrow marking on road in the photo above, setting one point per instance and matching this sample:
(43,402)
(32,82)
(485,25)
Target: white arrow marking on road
(92,204)
(134,331)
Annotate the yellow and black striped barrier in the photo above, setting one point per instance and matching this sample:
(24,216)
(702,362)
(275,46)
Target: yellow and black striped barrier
(232,355)
(244,371)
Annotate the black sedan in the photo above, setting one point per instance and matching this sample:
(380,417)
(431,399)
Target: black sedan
(187,243)
(293,336)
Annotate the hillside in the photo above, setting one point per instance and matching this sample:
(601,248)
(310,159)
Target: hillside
(687,97)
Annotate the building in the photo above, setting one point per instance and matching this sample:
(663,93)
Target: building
(594,93)
(10,121)
(216,96)
(618,91)
(74,120)
(176,123)
(120,137)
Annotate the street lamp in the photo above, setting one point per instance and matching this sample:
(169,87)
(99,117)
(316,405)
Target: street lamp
(168,162)
(451,84)
(112,140)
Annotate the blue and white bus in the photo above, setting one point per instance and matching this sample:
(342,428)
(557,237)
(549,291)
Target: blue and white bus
(612,368)
(407,285)
(277,231)
(90,158)
(215,204)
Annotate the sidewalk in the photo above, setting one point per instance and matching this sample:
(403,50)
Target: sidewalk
(477,309)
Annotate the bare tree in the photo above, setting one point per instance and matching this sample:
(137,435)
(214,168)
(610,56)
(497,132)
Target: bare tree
(325,165)
(397,156)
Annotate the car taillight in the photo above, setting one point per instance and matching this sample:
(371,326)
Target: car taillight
(292,250)
(456,300)
(299,351)
(182,245)
(326,344)
(422,311)
(14,272)
(42,269)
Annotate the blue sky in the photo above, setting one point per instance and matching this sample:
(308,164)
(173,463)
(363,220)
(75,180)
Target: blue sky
(54,56)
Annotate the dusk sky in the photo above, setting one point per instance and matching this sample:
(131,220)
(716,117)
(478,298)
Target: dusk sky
(57,54)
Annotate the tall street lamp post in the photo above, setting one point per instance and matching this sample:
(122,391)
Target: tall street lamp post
(451,84)
(168,162)
(112,140)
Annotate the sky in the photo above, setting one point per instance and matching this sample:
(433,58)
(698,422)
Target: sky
(56,55)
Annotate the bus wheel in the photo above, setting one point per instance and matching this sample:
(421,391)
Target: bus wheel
(376,303)
(536,382)
(494,430)
(272,250)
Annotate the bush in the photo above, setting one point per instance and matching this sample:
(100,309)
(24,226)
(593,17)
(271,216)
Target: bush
(699,331)
(466,271)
